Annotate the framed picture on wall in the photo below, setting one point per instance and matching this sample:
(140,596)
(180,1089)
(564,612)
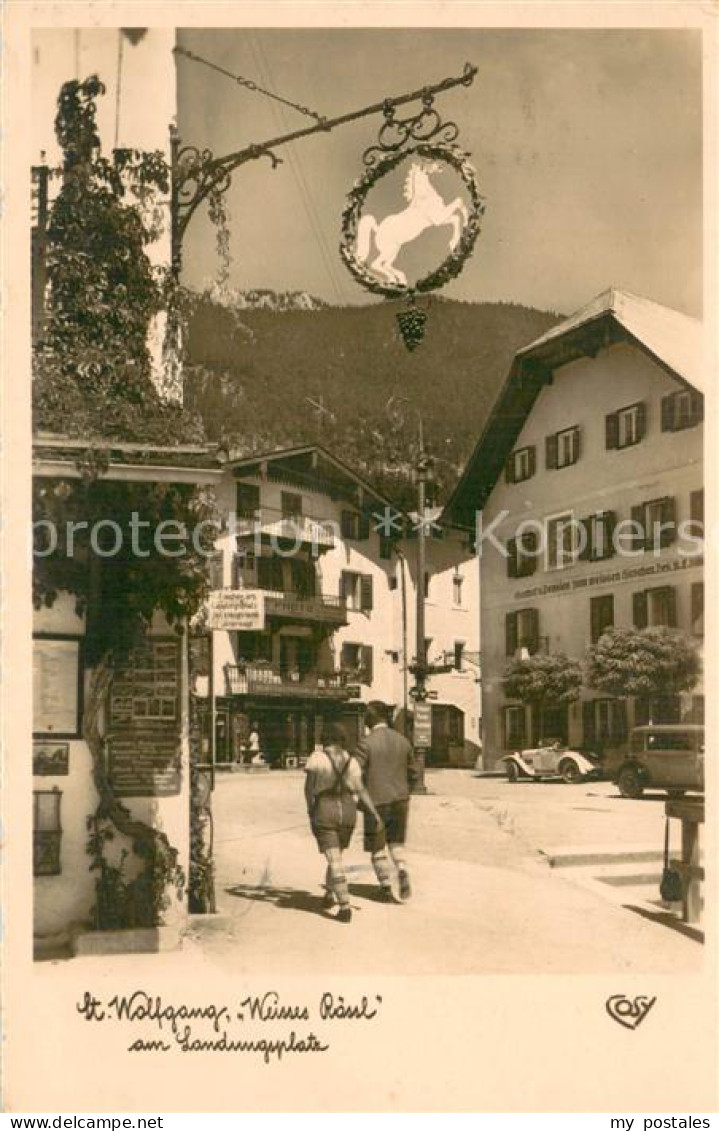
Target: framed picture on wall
(57,686)
(49,758)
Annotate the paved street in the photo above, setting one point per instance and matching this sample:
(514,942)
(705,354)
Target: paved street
(508,878)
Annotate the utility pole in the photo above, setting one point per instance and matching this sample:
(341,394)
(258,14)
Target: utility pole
(422,708)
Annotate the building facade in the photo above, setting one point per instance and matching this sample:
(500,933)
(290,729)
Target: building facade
(146,718)
(588,484)
(338,611)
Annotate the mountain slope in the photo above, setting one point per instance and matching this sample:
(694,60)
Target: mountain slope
(257,374)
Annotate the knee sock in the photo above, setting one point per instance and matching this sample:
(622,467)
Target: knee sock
(380,863)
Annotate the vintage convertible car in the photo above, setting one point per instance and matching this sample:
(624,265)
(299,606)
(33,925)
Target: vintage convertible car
(551,761)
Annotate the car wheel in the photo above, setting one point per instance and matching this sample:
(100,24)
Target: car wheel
(570,771)
(630,783)
(512,772)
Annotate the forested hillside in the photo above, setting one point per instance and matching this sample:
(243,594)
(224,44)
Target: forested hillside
(256,374)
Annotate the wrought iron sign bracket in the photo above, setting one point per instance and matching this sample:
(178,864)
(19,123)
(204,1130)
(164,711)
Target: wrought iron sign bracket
(197,173)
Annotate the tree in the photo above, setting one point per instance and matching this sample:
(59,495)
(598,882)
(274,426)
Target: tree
(543,680)
(644,663)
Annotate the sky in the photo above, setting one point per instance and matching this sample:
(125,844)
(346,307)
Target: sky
(587,145)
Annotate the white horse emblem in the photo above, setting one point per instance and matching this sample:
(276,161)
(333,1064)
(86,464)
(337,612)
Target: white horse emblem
(425,209)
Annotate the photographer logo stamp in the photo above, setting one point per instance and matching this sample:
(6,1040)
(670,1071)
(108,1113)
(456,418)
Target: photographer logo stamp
(629,1012)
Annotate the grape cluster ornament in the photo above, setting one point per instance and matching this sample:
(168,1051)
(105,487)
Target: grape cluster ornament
(384,245)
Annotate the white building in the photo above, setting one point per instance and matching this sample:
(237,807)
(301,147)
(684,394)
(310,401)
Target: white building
(598,429)
(339,610)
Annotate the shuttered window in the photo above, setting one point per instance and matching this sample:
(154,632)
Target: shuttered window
(680,410)
(562,449)
(366,593)
(357,590)
(248,500)
(522,554)
(515,728)
(604,722)
(521,465)
(655,608)
(655,524)
(367,664)
(696,513)
(626,427)
(601,615)
(597,536)
(522,631)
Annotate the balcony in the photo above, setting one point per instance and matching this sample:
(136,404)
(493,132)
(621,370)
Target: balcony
(265,680)
(321,609)
(271,525)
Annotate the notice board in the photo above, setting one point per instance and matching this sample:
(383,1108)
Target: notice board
(144,721)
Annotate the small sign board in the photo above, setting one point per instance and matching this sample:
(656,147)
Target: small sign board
(423,724)
(236,610)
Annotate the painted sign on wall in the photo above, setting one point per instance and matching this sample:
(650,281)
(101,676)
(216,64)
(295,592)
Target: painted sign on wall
(144,721)
(236,610)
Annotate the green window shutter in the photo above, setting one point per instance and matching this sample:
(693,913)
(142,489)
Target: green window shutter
(512,561)
(527,565)
(550,452)
(668,413)
(697,409)
(533,633)
(510,632)
(532,461)
(347,524)
(587,552)
(363,526)
(612,430)
(577,444)
(639,517)
(641,421)
(595,619)
(509,470)
(367,664)
(610,525)
(640,610)
(671,599)
(366,593)
(669,522)
(589,729)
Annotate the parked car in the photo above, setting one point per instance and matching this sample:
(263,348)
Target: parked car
(552,760)
(666,756)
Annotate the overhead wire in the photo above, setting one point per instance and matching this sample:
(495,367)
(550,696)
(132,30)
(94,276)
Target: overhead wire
(296,166)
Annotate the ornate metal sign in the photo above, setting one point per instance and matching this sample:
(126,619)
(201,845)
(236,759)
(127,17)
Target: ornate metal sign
(383,244)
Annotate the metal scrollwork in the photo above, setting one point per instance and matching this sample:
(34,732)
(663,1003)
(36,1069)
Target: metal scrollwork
(451,267)
(396,133)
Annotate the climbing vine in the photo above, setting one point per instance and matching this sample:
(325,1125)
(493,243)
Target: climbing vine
(93,380)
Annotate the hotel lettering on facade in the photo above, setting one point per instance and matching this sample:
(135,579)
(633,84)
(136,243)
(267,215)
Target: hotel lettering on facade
(588,483)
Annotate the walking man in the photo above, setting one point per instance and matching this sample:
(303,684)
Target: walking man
(389,772)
